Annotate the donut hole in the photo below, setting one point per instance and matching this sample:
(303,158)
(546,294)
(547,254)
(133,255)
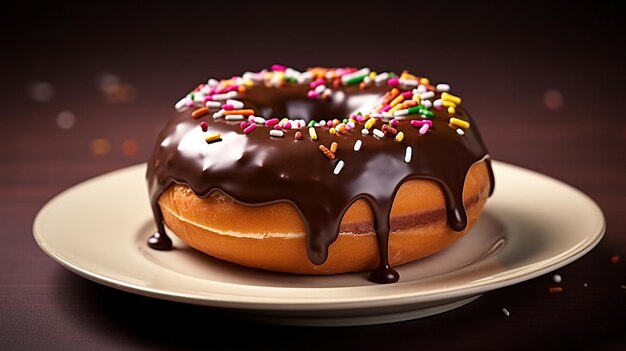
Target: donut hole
(294,103)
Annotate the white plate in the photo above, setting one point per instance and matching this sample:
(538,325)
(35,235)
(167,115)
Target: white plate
(533,224)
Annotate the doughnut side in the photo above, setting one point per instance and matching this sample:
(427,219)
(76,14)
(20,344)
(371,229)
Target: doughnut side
(272,237)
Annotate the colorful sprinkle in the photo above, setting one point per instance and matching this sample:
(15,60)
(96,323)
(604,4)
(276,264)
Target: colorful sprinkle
(200,112)
(312,133)
(213,137)
(204,126)
(451,98)
(333,147)
(298,135)
(327,152)
(249,129)
(424,129)
(378,133)
(459,123)
(399,137)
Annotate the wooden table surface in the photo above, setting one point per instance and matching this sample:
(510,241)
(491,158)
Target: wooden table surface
(544,84)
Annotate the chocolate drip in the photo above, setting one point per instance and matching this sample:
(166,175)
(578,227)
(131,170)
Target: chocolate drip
(256,169)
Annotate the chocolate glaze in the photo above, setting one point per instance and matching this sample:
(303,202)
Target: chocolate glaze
(256,169)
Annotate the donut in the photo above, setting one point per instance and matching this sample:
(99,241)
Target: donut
(324,171)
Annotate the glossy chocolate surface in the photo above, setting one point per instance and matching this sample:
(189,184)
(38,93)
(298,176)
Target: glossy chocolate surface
(257,169)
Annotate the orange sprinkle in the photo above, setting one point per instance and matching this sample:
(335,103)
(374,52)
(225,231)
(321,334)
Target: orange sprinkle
(200,112)
(327,152)
(389,130)
(247,112)
(397,100)
(392,95)
(242,89)
(555,290)
(298,135)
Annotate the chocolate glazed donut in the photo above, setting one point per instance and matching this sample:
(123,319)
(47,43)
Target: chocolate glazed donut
(257,170)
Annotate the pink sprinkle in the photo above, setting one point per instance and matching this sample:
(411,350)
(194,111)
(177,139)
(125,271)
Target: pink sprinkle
(243,124)
(208,98)
(204,126)
(271,122)
(228,107)
(349,126)
(386,108)
(316,83)
(394,122)
(329,123)
(418,123)
(286,125)
(359,118)
(424,129)
(231,88)
(249,129)
(189,102)
(277,126)
(312,94)
(393,82)
(279,68)
(407,94)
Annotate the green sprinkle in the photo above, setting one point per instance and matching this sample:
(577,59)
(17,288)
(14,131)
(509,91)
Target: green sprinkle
(356,80)
(415,109)
(345,120)
(312,123)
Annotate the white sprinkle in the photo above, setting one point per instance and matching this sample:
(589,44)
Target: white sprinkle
(557,278)
(182,103)
(305,77)
(460,131)
(409,83)
(358,144)
(322,123)
(427,103)
(387,115)
(365,131)
(231,94)
(438,103)
(206,90)
(379,133)
(427,95)
(198,98)
(277,133)
(404,112)
(219,97)
(320,88)
(441,87)
(213,82)
(237,105)
(234,118)
(408,154)
(66,119)
(346,77)
(420,89)
(381,78)
(585,285)
(213,105)
(259,120)
(506,312)
(219,114)
(338,167)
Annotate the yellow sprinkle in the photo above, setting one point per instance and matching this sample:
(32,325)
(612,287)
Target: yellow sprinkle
(352,120)
(333,147)
(459,123)
(397,100)
(248,82)
(448,104)
(332,130)
(451,110)
(449,97)
(373,75)
(396,108)
(370,123)
(416,97)
(282,121)
(424,81)
(212,137)
(399,137)
(341,127)
(404,75)
(312,133)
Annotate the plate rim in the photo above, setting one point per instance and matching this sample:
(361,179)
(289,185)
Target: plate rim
(278,303)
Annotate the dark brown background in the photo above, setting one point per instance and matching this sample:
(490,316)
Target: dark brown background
(501,60)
